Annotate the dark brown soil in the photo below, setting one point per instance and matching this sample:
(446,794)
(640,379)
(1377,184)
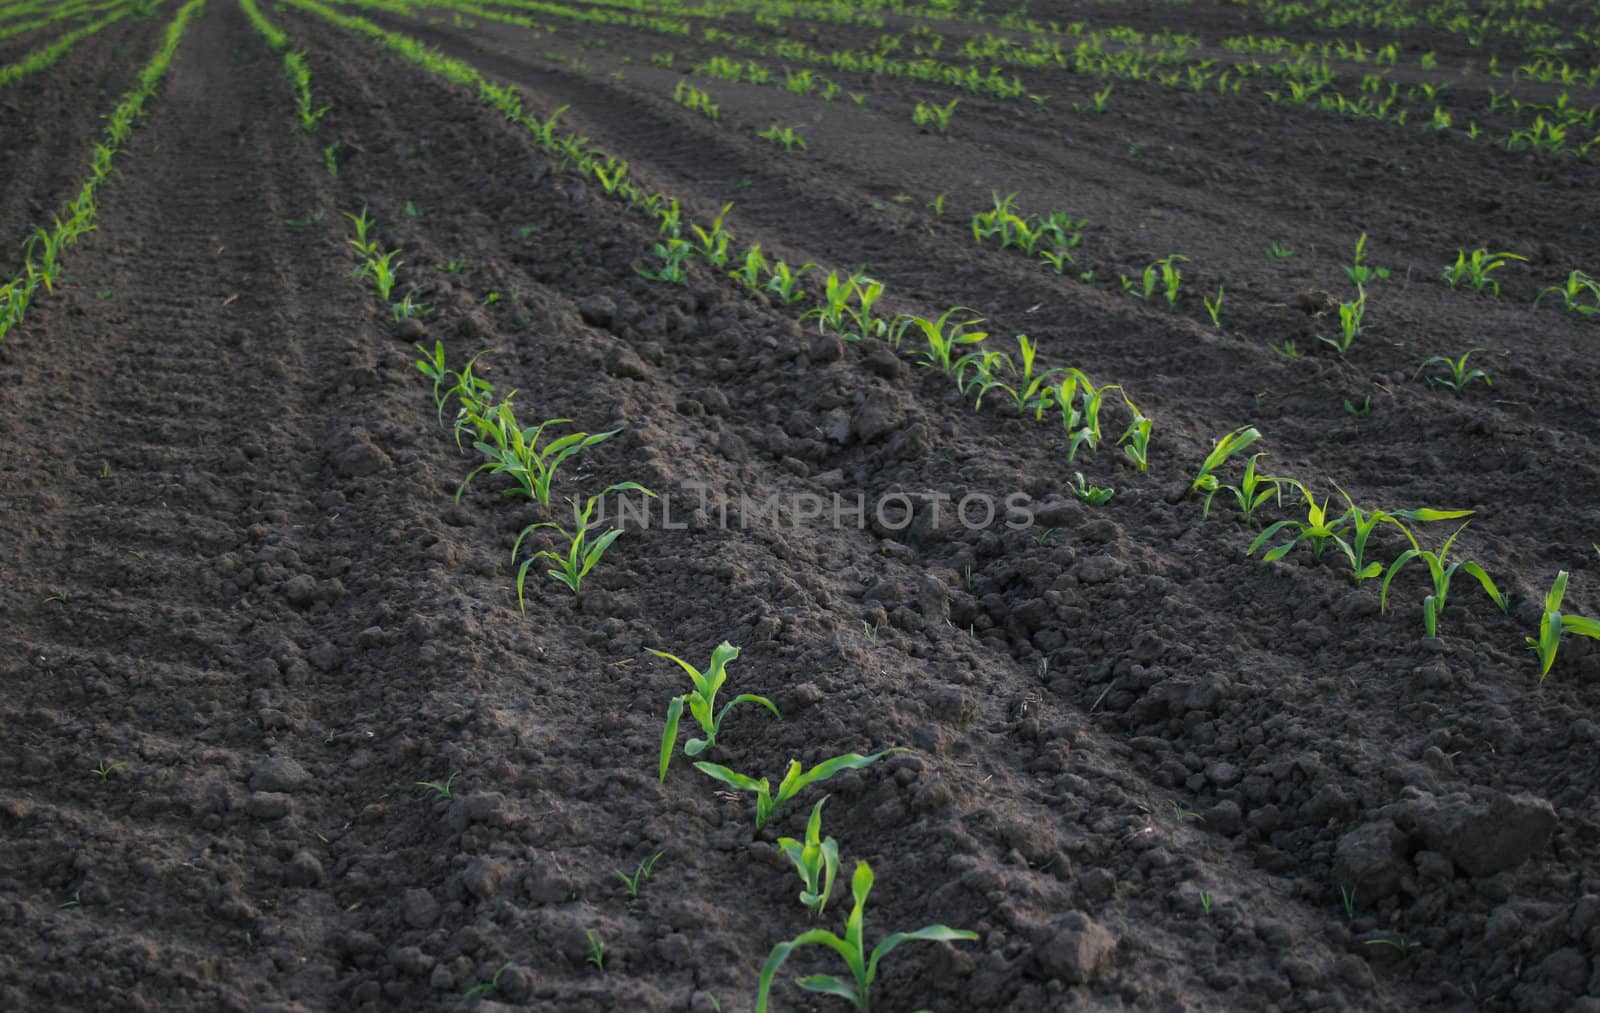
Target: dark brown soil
(246,616)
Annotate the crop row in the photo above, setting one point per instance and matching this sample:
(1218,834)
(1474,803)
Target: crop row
(52,16)
(1351,532)
(514,451)
(42,253)
(46,56)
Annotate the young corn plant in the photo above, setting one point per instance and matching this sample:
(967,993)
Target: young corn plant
(786,137)
(794,780)
(1034,388)
(846,307)
(1350,316)
(1459,377)
(1360,273)
(816,859)
(514,451)
(1135,440)
(928,114)
(1441,574)
(1579,293)
(1093,495)
(1206,480)
(583,552)
(1253,490)
(944,338)
(1316,530)
(784,281)
(749,272)
(1475,268)
(714,241)
(675,253)
(702,704)
(1214,308)
(852,949)
(1362,523)
(1554,623)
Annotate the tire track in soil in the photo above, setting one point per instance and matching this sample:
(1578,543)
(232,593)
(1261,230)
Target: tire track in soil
(471,221)
(232,581)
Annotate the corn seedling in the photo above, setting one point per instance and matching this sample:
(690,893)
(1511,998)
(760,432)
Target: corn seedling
(514,451)
(852,948)
(641,874)
(1090,494)
(432,365)
(1214,308)
(674,253)
(936,116)
(1135,440)
(1474,269)
(986,367)
(1279,251)
(1171,277)
(597,950)
(582,552)
(330,158)
(794,780)
(1572,293)
(363,224)
(695,100)
(1459,376)
(846,307)
(714,241)
(490,987)
(1097,101)
(816,859)
(472,393)
(1441,574)
(1362,412)
(1080,403)
(1206,480)
(702,704)
(1286,351)
(784,281)
(944,338)
(1359,271)
(787,137)
(937,204)
(106,767)
(1253,490)
(1350,316)
(1034,389)
(748,274)
(441,788)
(1317,530)
(410,307)
(1554,623)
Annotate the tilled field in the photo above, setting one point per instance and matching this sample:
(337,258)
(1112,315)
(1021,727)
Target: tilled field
(279,735)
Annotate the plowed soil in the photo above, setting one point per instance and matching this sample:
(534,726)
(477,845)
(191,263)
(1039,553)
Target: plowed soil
(248,615)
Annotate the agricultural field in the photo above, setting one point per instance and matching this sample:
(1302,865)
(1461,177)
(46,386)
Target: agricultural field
(655,505)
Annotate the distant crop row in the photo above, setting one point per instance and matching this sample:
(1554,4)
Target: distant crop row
(42,263)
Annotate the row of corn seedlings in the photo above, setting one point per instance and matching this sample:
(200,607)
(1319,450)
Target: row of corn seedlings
(816,859)
(847,304)
(46,56)
(510,449)
(1351,530)
(42,252)
(294,66)
(58,14)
